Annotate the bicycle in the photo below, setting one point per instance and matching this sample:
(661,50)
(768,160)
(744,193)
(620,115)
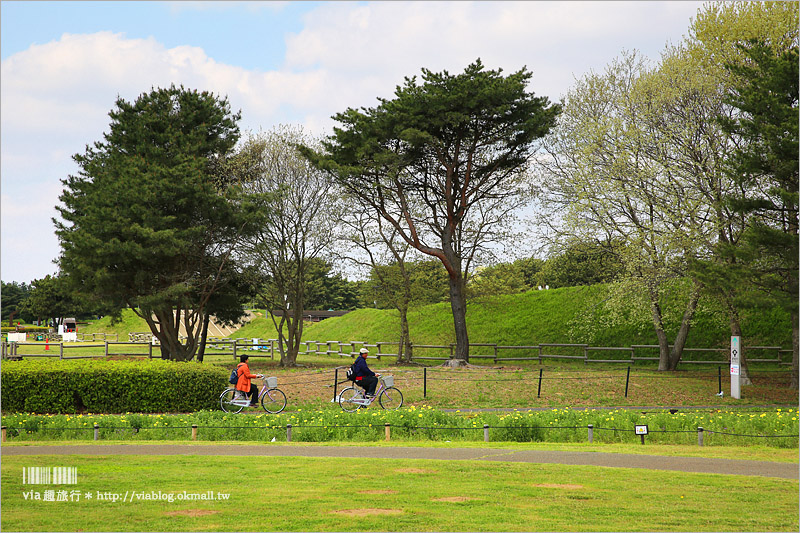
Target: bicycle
(353,398)
(272,399)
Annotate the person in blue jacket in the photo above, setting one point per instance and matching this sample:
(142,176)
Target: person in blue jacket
(365,377)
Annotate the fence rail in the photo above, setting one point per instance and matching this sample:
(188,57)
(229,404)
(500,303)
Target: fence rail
(267,348)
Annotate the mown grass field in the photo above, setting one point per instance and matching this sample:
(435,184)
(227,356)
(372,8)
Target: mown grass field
(323,494)
(302,494)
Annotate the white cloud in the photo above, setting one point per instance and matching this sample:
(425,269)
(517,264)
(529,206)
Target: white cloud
(556,40)
(55,97)
(249,6)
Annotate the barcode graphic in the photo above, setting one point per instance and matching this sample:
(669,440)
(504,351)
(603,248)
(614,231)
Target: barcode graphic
(50,475)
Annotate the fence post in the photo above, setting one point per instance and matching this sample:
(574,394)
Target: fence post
(388,431)
(627,380)
(699,436)
(540,353)
(486,433)
(495,354)
(150,349)
(539,392)
(4,433)
(425,382)
(585,354)
(106,354)
(719,379)
(335,382)
(591,433)
(194,431)
(288,433)
(96,431)
(235,342)
(61,349)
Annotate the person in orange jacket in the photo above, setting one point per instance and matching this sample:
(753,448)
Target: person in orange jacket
(244,384)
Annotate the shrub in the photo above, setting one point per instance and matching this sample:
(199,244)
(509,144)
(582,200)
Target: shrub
(110,386)
(25,329)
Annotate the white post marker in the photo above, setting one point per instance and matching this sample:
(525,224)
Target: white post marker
(736,351)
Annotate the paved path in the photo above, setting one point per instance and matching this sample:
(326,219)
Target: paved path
(614,460)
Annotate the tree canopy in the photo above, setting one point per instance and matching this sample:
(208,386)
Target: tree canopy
(144,224)
(765,166)
(298,216)
(444,163)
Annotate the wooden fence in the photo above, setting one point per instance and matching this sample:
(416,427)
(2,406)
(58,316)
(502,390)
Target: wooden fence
(442,352)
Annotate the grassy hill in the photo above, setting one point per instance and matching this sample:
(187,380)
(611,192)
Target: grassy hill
(566,315)
(555,316)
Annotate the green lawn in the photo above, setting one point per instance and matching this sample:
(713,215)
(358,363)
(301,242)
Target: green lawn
(323,494)
(750,453)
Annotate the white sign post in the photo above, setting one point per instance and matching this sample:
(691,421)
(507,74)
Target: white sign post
(736,351)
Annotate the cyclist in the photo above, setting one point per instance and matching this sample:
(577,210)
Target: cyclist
(365,378)
(244,384)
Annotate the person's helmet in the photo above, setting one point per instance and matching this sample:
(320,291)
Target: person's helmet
(363,350)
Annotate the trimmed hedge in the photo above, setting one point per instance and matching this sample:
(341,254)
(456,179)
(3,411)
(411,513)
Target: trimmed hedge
(25,329)
(154,386)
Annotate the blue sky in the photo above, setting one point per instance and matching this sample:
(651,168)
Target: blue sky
(65,63)
(260,26)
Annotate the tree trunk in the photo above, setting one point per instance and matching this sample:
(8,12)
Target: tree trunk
(203,337)
(295,327)
(458,304)
(658,324)
(292,319)
(683,332)
(404,353)
(168,334)
(795,343)
(281,339)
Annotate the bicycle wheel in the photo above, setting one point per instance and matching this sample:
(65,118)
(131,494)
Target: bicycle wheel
(391,399)
(273,401)
(226,401)
(346,399)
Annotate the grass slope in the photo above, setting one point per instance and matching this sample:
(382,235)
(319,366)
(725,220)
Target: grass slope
(552,316)
(544,317)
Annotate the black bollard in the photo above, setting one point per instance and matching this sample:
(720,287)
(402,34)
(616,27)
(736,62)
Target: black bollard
(627,380)
(539,393)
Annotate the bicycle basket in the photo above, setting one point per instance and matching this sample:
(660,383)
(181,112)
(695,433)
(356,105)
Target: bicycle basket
(272,382)
(389,380)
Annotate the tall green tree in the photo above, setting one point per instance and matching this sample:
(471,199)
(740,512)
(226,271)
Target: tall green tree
(143,223)
(494,280)
(326,289)
(13,299)
(710,45)
(51,298)
(369,242)
(605,180)
(765,166)
(299,212)
(457,145)
(583,263)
